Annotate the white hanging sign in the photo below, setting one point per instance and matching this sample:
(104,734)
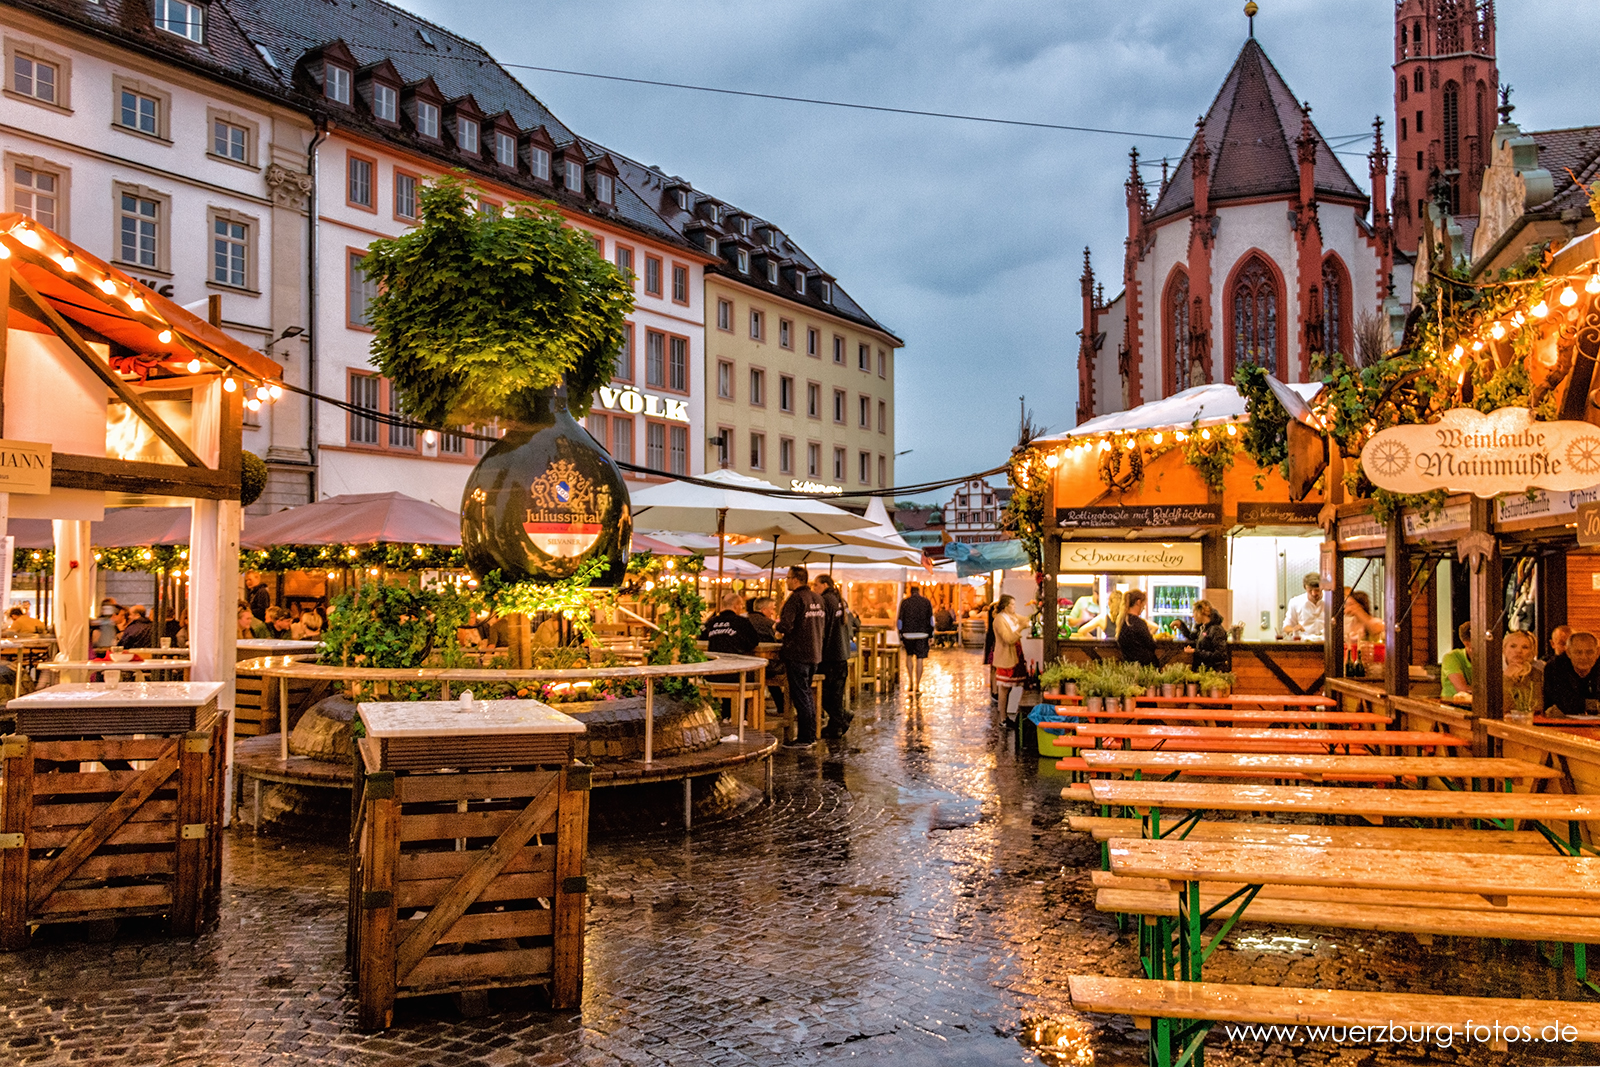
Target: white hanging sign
(1467,451)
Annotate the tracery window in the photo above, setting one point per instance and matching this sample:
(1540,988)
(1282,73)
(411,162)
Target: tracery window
(1178,355)
(1335,297)
(1255,316)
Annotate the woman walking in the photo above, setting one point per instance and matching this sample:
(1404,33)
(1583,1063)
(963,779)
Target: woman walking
(1010,671)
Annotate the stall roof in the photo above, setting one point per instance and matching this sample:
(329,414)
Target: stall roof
(356,519)
(1207,404)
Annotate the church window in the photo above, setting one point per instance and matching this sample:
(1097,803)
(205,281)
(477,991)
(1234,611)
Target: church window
(1178,354)
(1416,80)
(1452,125)
(1402,129)
(1255,316)
(1419,121)
(1403,88)
(1335,301)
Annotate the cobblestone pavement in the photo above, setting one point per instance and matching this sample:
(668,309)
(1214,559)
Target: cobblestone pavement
(908,897)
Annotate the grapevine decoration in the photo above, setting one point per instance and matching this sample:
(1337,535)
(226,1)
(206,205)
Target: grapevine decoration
(1029,474)
(1210,452)
(571,598)
(1266,435)
(1111,467)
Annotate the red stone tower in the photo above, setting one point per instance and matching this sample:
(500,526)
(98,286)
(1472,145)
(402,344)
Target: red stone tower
(1444,106)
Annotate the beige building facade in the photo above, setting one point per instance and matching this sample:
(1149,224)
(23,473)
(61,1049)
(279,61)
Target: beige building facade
(795,395)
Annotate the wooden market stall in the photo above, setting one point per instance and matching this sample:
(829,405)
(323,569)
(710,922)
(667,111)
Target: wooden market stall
(1162,497)
(111,395)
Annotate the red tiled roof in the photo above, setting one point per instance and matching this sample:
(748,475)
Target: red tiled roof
(1251,131)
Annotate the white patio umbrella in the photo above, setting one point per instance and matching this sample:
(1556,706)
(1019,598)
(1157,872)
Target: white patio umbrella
(730,507)
(878,543)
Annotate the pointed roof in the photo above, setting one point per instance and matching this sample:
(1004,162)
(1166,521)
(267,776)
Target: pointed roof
(1251,131)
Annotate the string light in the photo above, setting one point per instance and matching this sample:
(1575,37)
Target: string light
(228,384)
(1498,330)
(1517,319)
(1052,461)
(275,391)
(1477,346)
(194,366)
(1233,431)
(1128,444)
(262,392)
(70,265)
(1205,435)
(135,301)
(165,337)
(253,404)
(1155,438)
(1457,352)
(1105,446)
(1539,310)
(1569,296)
(1181,436)
(107,286)
(1592,286)
(29,238)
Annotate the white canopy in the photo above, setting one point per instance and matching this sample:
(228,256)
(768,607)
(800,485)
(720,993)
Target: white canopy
(878,543)
(693,508)
(1209,404)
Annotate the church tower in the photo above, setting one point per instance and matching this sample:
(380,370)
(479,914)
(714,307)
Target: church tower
(1445,83)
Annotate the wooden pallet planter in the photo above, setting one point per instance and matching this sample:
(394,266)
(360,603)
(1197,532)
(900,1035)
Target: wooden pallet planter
(257,707)
(467,874)
(109,827)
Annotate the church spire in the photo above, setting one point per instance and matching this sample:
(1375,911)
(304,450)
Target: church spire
(1250,10)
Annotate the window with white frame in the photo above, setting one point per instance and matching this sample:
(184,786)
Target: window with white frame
(362,291)
(813,460)
(883,417)
(655,446)
(624,365)
(680,282)
(758,387)
(839,406)
(467,135)
(138,230)
(785,333)
(813,400)
(724,314)
(402,432)
(384,102)
(679,449)
(758,325)
(505,149)
(838,350)
(724,379)
(883,364)
(724,444)
(785,393)
(741,259)
(452,444)
(883,470)
(864,412)
(574,173)
(539,163)
(655,358)
(35,78)
(758,451)
(405,195)
(785,455)
(624,258)
(800,282)
(138,112)
(427,119)
(863,357)
(678,364)
(230,248)
(360,183)
(864,468)
(336,84)
(230,141)
(622,437)
(603,190)
(839,462)
(37,194)
(825,291)
(813,342)
(182,18)
(772,272)
(364,397)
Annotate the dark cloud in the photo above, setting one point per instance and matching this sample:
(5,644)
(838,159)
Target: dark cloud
(968,239)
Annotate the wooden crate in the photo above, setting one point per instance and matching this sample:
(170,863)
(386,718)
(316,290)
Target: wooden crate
(111,827)
(467,880)
(256,708)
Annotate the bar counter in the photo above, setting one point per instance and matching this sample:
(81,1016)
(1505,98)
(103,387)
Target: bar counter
(1290,667)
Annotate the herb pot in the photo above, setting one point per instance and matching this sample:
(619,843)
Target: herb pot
(1169,690)
(544,501)
(1069,689)
(1094,704)
(1191,689)
(1113,705)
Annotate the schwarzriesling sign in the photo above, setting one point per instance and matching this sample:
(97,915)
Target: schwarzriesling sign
(1467,451)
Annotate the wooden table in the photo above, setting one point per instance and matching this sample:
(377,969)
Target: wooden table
(1186,864)
(1316,768)
(60,667)
(1073,706)
(1328,738)
(1239,700)
(28,652)
(253,647)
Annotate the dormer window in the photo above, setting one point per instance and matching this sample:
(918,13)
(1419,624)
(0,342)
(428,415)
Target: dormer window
(603,188)
(539,162)
(741,259)
(505,149)
(743,226)
(467,135)
(711,242)
(427,119)
(683,200)
(336,84)
(825,291)
(574,176)
(384,100)
(181,18)
(772,272)
(800,282)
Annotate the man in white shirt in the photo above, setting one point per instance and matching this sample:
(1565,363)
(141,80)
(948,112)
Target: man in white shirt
(1304,617)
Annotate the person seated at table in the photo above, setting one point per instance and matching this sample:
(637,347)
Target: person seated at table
(180,636)
(1211,649)
(278,622)
(1455,670)
(1571,683)
(250,626)
(1523,677)
(729,631)
(1360,624)
(1134,640)
(762,615)
(1558,644)
(19,622)
(309,627)
(140,632)
(944,626)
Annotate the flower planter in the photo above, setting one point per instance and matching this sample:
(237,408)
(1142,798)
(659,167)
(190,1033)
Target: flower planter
(1169,690)
(1069,689)
(1094,704)
(1191,689)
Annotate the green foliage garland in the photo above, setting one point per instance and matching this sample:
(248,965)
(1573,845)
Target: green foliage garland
(1266,436)
(1212,458)
(679,611)
(1024,514)
(478,311)
(570,598)
(380,624)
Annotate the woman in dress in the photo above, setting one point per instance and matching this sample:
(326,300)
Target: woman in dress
(1010,671)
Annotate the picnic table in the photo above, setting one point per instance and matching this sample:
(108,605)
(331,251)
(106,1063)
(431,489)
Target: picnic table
(1231,734)
(1315,767)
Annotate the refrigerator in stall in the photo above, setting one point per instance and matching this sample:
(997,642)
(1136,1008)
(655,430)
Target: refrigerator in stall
(1172,598)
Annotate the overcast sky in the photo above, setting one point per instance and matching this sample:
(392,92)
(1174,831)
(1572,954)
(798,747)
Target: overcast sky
(967,239)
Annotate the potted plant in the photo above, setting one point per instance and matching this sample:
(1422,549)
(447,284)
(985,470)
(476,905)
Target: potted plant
(1064,675)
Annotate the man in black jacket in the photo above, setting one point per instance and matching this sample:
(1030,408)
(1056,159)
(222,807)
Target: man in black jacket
(729,631)
(801,626)
(761,615)
(140,632)
(835,655)
(915,623)
(1571,679)
(1137,643)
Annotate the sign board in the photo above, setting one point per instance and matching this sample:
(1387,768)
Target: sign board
(813,487)
(1450,520)
(1539,504)
(1467,451)
(1151,516)
(635,402)
(1589,524)
(1255,513)
(1361,531)
(1130,557)
(24,466)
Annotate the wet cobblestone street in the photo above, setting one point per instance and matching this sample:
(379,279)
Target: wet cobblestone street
(910,896)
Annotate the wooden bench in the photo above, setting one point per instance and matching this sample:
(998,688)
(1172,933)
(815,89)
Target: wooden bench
(1327,738)
(1503,842)
(754,698)
(1315,768)
(1074,706)
(1204,1004)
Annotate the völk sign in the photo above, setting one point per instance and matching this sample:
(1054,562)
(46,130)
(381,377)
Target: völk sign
(1467,451)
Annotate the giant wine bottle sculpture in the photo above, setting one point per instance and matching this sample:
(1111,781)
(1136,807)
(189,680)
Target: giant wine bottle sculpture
(544,501)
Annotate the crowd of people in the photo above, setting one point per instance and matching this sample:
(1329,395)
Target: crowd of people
(1563,683)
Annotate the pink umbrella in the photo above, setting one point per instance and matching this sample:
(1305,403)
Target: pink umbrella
(358,519)
(121,528)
